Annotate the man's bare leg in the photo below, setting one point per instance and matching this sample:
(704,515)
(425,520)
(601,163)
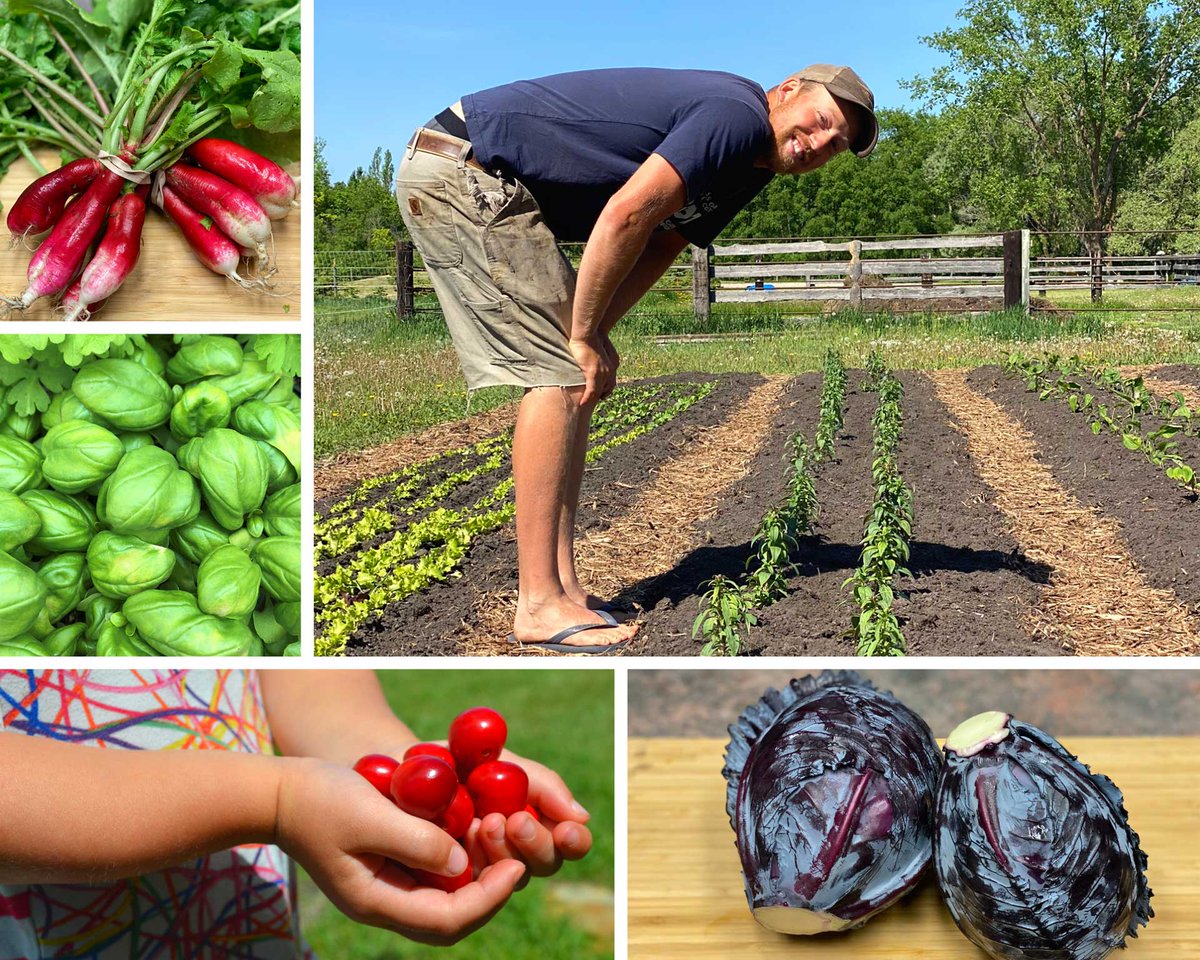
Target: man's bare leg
(566,526)
(544,442)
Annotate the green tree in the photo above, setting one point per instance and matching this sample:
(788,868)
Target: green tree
(899,189)
(359,214)
(1166,198)
(322,215)
(1059,104)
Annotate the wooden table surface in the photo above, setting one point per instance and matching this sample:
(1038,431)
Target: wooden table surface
(168,283)
(686,898)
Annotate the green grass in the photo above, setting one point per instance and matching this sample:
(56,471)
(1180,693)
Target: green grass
(1144,301)
(527,927)
(562,718)
(378,378)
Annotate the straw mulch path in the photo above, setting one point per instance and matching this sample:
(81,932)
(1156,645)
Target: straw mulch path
(1098,602)
(1165,388)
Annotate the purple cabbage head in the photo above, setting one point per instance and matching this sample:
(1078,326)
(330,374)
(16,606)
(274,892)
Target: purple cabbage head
(830,794)
(1035,856)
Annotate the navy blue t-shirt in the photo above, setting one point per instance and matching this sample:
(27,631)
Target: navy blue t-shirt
(574,139)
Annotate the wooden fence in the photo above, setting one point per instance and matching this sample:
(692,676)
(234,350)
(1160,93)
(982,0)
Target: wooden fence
(853,274)
(916,272)
(1076,273)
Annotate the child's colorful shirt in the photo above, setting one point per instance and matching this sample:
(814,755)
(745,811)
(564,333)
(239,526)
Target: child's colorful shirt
(236,903)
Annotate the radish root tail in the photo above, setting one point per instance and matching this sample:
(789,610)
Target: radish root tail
(22,240)
(253,284)
(23,302)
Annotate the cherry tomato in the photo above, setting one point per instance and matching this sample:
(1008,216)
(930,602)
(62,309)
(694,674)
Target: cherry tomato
(448,884)
(533,813)
(477,736)
(378,770)
(424,787)
(430,750)
(458,816)
(498,787)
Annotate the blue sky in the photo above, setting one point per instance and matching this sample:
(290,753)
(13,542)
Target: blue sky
(382,68)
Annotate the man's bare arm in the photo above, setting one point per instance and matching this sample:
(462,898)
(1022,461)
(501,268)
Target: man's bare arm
(660,253)
(617,243)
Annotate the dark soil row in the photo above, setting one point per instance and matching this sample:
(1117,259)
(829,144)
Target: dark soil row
(723,541)
(971,584)
(1158,518)
(421,624)
(1186,447)
(1179,372)
(814,619)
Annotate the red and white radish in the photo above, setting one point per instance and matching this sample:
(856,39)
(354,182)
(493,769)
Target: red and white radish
(41,203)
(70,300)
(53,266)
(238,214)
(115,257)
(211,247)
(265,180)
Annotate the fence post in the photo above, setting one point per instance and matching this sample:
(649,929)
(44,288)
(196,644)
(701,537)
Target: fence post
(1025,242)
(1012,268)
(404,279)
(926,278)
(854,273)
(701,283)
(1096,254)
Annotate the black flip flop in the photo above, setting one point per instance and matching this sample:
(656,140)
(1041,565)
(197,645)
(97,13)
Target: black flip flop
(553,642)
(611,611)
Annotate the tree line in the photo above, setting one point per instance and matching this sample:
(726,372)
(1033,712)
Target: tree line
(1072,119)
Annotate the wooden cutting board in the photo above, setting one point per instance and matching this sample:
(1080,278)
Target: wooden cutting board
(686,898)
(168,283)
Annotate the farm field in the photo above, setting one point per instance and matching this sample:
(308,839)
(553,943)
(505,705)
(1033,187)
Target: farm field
(1001,523)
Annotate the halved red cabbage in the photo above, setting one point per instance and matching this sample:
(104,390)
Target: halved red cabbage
(830,795)
(1035,856)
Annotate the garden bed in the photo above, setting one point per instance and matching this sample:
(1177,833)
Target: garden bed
(973,590)
(1158,518)
(425,623)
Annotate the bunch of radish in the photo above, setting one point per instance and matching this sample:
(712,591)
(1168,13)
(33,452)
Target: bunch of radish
(451,787)
(223,202)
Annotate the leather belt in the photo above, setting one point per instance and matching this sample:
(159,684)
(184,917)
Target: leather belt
(430,141)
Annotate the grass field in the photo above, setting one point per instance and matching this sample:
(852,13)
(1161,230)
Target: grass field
(563,718)
(378,378)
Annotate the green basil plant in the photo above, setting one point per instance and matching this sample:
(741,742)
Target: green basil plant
(150,495)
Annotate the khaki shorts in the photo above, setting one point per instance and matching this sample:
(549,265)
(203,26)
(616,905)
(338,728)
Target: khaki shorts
(503,284)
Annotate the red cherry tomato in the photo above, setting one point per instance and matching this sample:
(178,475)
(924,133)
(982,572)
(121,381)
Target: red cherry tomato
(424,787)
(378,770)
(448,884)
(498,787)
(430,750)
(458,816)
(533,813)
(477,736)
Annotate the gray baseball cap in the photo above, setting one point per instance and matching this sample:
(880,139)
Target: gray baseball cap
(847,85)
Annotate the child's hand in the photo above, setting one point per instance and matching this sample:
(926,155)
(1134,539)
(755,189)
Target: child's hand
(346,834)
(561,835)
